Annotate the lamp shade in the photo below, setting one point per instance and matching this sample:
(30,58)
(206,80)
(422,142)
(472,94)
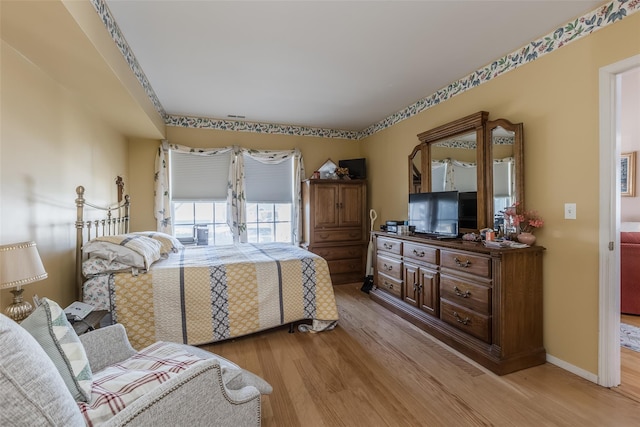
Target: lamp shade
(20,264)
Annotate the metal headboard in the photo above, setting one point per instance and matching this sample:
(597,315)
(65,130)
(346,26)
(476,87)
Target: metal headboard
(115,221)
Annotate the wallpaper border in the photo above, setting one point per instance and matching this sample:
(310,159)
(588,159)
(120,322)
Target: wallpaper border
(583,26)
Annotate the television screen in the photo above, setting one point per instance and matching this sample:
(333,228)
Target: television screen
(357,167)
(434,213)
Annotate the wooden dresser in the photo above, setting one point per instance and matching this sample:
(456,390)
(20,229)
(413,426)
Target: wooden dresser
(334,225)
(485,303)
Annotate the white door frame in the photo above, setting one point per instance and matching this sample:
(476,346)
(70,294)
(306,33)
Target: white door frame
(609,292)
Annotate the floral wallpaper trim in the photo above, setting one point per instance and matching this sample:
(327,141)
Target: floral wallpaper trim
(255,127)
(571,31)
(113,29)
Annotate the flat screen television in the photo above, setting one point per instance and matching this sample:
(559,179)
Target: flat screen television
(357,167)
(434,214)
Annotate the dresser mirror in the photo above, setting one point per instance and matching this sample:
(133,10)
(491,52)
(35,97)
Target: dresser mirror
(505,183)
(472,154)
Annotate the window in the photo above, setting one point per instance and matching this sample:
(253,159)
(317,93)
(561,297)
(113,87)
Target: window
(198,196)
(269,194)
(211,215)
(199,184)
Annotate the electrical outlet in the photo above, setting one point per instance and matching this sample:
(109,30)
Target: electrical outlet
(569,211)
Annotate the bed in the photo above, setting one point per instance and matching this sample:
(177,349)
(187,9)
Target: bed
(196,294)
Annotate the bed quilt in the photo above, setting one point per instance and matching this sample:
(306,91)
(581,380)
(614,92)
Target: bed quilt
(204,294)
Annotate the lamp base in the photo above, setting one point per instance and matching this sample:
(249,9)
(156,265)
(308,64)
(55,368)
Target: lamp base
(20,309)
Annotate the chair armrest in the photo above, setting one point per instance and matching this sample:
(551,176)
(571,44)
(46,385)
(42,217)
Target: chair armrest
(233,375)
(106,346)
(196,395)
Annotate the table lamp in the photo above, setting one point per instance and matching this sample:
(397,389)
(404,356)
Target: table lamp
(20,264)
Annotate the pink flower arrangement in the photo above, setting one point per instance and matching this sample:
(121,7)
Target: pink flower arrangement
(526,221)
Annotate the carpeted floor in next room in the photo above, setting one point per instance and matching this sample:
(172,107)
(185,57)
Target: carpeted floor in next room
(630,337)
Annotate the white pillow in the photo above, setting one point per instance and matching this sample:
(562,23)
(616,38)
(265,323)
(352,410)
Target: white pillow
(168,242)
(131,249)
(48,324)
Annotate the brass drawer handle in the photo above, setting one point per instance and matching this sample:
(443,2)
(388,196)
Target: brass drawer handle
(465,294)
(388,285)
(465,264)
(387,267)
(464,321)
(416,253)
(387,246)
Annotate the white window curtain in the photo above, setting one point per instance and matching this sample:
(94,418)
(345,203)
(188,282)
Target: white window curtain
(465,176)
(236,194)
(442,175)
(504,182)
(237,201)
(439,174)
(163,194)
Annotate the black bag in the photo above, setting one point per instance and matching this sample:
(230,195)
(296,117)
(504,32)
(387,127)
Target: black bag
(367,285)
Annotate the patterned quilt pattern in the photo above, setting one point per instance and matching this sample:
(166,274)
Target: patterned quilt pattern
(118,386)
(204,294)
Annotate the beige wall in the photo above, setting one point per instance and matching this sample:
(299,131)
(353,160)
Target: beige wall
(556,97)
(630,137)
(315,151)
(52,141)
(49,144)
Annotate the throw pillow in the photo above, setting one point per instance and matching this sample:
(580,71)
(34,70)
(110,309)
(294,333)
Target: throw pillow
(168,242)
(48,324)
(33,392)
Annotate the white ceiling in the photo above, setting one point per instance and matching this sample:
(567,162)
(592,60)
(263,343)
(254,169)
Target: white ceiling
(328,64)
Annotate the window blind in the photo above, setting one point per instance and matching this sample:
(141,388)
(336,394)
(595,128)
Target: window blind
(502,179)
(268,183)
(199,178)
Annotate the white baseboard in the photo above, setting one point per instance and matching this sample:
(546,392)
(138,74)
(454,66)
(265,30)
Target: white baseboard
(573,369)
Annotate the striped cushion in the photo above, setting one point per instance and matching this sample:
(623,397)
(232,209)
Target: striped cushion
(117,386)
(49,326)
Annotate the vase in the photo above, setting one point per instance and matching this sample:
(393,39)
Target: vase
(526,238)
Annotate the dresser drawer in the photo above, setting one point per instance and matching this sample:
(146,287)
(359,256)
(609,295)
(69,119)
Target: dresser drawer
(340,252)
(466,320)
(467,294)
(466,262)
(390,266)
(392,246)
(337,235)
(389,284)
(420,253)
(346,266)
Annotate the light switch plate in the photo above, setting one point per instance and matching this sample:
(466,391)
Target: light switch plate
(569,211)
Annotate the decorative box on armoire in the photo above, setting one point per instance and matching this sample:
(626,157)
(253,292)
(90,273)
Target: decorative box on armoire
(334,225)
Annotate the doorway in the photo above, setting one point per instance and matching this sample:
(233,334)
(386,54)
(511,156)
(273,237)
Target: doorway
(609,372)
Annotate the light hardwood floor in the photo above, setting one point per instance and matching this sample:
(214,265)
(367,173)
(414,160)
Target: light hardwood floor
(376,369)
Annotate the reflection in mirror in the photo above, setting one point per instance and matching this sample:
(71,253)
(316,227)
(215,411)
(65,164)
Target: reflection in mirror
(504,172)
(416,172)
(453,164)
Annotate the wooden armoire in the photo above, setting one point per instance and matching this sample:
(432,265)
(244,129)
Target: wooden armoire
(334,225)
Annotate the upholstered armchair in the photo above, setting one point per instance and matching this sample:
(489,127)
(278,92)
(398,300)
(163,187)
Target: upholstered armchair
(166,384)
